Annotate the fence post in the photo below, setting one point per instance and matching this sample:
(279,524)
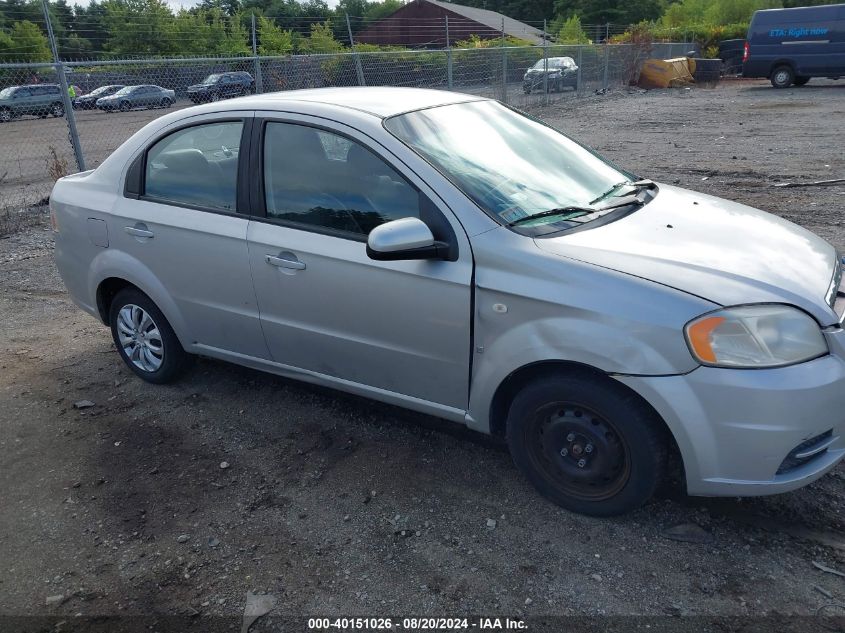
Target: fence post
(605,83)
(580,63)
(545,65)
(448,56)
(358,68)
(259,82)
(68,105)
(504,66)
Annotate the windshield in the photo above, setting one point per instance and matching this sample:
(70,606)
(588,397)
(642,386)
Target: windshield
(211,79)
(124,91)
(6,92)
(509,164)
(99,91)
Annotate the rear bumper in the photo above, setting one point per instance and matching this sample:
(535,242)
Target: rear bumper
(736,428)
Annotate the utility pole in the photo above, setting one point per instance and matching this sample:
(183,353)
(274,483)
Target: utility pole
(68,105)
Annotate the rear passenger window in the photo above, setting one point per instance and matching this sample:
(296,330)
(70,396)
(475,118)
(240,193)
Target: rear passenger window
(322,179)
(197,166)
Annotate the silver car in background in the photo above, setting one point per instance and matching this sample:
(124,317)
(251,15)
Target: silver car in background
(131,97)
(444,253)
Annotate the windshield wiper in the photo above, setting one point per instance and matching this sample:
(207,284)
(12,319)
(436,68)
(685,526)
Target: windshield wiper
(638,184)
(570,212)
(584,214)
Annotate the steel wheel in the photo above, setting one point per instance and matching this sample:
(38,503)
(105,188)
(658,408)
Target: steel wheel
(782,77)
(140,338)
(57,110)
(580,451)
(215,96)
(586,442)
(5,115)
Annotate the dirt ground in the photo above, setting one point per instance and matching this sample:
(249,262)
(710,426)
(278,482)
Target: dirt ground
(340,506)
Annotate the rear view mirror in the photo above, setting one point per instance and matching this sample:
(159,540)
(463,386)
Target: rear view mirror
(407,238)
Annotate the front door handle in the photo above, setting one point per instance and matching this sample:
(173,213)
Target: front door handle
(138,231)
(281,262)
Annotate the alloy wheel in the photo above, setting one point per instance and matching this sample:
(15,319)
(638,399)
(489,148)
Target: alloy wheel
(140,338)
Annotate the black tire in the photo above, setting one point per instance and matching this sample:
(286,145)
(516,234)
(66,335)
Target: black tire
(125,106)
(57,110)
(5,115)
(587,443)
(783,76)
(174,360)
(166,102)
(526,90)
(801,81)
(215,96)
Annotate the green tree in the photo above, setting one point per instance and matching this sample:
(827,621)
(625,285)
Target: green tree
(271,39)
(321,39)
(26,42)
(142,27)
(572,33)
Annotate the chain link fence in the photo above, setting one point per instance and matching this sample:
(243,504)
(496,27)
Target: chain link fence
(37,124)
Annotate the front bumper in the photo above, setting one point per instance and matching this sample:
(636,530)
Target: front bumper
(738,430)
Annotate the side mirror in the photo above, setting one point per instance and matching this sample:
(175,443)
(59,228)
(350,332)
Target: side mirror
(407,238)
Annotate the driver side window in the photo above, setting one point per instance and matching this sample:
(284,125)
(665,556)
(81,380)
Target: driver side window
(318,178)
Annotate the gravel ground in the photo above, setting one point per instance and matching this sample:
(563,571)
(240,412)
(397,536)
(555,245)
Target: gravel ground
(180,499)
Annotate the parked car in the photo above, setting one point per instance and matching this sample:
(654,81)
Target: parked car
(131,97)
(791,46)
(222,86)
(731,53)
(562,72)
(34,99)
(495,273)
(89,101)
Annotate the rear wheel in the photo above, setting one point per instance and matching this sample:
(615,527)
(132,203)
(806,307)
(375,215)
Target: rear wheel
(144,338)
(57,110)
(801,81)
(5,115)
(783,76)
(215,96)
(587,443)
(165,103)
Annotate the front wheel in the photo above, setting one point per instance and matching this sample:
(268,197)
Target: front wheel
(144,338)
(124,106)
(783,77)
(57,110)
(587,443)
(5,115)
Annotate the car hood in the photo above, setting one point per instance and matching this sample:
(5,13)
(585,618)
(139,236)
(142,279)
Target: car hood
(718,250)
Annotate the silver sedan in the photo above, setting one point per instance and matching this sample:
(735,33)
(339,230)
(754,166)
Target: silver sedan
(130,97)
(444,253)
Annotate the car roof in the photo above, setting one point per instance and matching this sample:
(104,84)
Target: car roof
(379,101)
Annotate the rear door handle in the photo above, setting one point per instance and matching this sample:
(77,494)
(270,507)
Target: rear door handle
(281,262)
(138,232)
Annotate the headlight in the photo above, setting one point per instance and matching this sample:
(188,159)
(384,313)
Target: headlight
(766,335)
